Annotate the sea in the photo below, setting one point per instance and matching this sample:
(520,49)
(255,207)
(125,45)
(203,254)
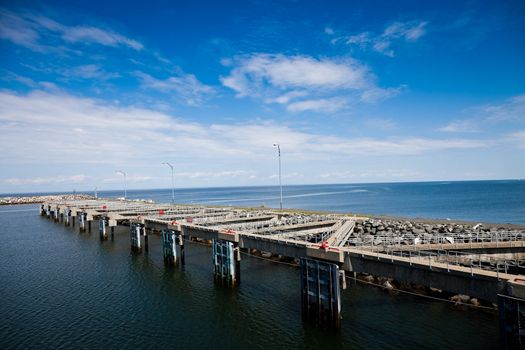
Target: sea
(64,290)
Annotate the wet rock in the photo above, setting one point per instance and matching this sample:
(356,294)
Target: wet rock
(460,298)
(474,302)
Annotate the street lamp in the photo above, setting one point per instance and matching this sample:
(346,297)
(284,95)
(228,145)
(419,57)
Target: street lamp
(280,182)
(123,173)
(172,183)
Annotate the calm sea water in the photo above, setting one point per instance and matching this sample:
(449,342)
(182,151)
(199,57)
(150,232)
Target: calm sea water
(62,290)
(486,201)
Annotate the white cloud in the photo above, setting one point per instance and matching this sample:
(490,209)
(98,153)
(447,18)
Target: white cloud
(379,94)
(56,131)
(44,127)
(380,124)
(287,97)
(60,179)
(301,82)
(88,71)
(28,31)
(187,87)
(513,109)
(320,105)
(398,31)
(465,125)
(285,72)
(98,36)
(517,138)
(216,174)
(329,31)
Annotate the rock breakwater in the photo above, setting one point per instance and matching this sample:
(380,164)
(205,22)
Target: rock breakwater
(41,199)
(392,231)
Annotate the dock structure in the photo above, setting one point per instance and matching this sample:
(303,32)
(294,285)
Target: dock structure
(324,245)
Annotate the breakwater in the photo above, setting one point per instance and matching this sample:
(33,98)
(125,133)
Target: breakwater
(41,199)
(408,232)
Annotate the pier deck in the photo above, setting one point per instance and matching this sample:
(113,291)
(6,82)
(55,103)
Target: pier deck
(323,237)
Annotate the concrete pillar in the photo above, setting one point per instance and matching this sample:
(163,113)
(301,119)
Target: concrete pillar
(146,244)
(227,262)
(102,225)
(511,322)
(67,217)
(135,238)
(112,233)
(169,250)
(72,220)
(89,226)
(320,293)
(42,210)
(57,213)
(172,247)
(82,222)
(48,211)
(180,242)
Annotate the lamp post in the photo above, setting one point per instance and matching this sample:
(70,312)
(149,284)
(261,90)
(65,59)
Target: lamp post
(172,182)
(280,182)
(123,173)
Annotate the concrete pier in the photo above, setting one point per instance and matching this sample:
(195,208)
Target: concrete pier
(323,243)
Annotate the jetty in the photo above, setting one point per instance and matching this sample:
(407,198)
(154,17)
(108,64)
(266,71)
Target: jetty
(477,261)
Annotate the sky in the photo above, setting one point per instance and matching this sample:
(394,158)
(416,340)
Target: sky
(352,91)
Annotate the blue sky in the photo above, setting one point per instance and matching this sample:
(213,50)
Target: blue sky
(353,91)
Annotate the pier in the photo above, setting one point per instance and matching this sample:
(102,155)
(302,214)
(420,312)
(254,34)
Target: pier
(324,245)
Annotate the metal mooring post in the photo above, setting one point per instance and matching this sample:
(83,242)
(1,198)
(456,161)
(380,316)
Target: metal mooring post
(320,293)
(169,249)
(227,262)
(67,217)
(102,229)
(135,238)
(82,222)
(511,316)
(145,234)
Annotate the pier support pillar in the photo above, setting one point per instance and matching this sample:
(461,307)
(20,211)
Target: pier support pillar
(146,244)
(102,228)
(89,226)
(227,262)
(82,222)
(67,217)
(320,293)
(48,211)
(57,213)
(72,220)
(135,229)
(112,233)
(42,210)
(172,247)
(511,322)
